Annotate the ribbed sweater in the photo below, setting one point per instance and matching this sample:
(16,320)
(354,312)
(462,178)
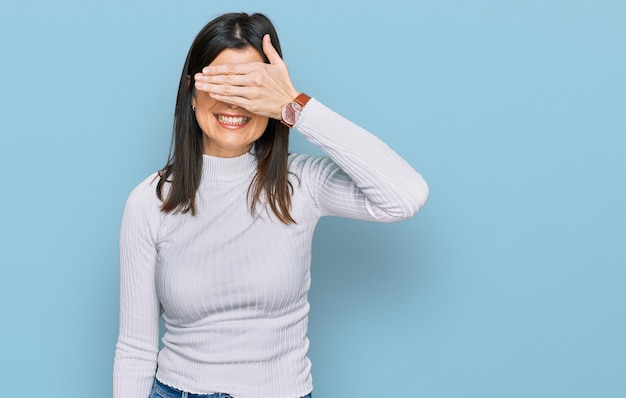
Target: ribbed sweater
(232,286)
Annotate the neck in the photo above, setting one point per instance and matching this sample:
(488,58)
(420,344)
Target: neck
(225,169)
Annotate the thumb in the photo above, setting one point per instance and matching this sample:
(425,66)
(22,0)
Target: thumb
(270,51)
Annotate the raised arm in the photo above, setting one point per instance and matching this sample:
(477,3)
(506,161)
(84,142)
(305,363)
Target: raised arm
(363,178)
(365,174)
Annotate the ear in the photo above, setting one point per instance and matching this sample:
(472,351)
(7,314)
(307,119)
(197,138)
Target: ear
(193,93)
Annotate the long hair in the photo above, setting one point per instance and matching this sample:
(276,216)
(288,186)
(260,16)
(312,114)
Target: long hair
(183,170)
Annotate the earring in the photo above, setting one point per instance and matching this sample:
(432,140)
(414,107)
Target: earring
(194,108)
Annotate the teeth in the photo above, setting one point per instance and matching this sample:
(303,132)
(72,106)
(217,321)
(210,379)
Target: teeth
(233,120)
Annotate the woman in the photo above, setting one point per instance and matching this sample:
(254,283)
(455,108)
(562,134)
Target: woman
(219,241)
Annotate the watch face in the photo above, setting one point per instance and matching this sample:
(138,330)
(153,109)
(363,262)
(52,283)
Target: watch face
(291,112)
(289,116)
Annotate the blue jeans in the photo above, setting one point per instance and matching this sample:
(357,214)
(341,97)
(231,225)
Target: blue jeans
(160,390)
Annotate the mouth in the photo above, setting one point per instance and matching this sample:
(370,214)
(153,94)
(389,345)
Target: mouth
(232,121)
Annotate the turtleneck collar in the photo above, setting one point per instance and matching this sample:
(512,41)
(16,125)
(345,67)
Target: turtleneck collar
(228,169)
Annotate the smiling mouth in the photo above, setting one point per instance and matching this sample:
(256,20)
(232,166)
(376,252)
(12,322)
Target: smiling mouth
(232,120)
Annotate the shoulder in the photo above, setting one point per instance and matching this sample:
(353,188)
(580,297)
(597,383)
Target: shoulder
(142,213)
(146,188)
(144,196)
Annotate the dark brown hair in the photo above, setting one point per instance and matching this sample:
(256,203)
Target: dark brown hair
(184,165)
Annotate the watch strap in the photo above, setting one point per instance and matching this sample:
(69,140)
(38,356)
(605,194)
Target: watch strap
(302,99)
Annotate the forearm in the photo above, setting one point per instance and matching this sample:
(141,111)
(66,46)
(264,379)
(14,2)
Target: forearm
(393,189)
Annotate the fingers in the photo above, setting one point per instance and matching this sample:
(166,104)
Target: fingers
(240,75)
(227,90)
(231,69)
(234,95)
(230,99)
(231,94)
(270,52)
(242,69)
(259,87)
(251,101)
(203,81)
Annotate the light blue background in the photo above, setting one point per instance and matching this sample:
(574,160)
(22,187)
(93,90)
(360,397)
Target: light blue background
(509,283)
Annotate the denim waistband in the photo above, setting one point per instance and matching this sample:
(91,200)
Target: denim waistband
(160,390)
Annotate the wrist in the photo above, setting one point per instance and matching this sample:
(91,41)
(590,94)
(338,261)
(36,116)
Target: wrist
(290,112)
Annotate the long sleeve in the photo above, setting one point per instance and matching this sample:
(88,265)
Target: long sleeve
(137,345)
(233,286)
(364,178)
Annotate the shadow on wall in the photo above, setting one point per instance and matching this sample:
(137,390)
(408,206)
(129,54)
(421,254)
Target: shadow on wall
(359,264)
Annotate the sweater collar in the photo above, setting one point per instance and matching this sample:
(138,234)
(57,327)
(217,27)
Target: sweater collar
(228,169)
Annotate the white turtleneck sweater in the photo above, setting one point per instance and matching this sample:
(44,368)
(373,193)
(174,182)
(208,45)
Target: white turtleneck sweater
(232,288)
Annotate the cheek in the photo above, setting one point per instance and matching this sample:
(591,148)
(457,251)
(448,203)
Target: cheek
(205,104)
(203,113)
(203,101)
(263,121)
(261,125)
(204,119)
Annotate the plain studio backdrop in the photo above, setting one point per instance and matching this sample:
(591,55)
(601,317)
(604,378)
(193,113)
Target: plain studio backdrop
(509,283)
